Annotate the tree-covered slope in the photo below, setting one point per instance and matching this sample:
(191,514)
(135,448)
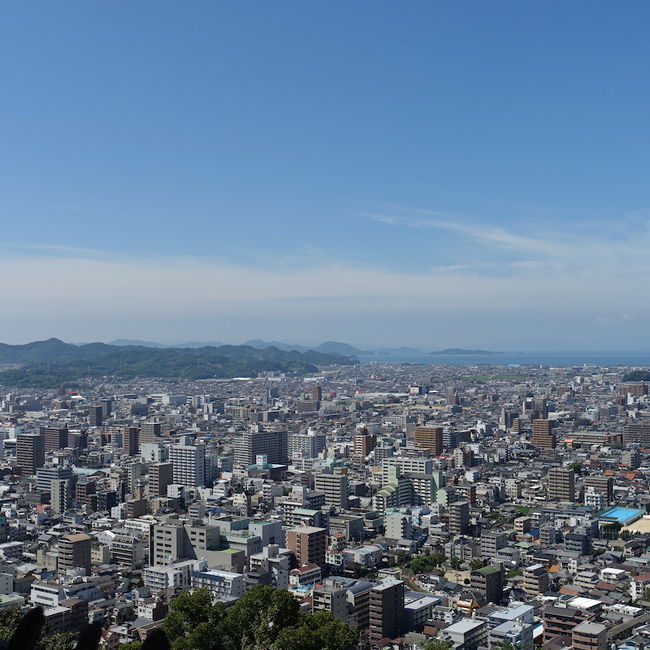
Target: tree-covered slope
(52,362)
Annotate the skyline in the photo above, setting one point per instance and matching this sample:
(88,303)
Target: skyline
(429,177)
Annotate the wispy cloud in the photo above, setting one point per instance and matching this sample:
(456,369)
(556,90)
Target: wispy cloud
(596,244)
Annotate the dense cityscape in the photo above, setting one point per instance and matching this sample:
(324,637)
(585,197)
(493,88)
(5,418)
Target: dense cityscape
(421,506)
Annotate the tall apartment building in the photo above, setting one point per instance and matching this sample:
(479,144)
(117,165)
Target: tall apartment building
(308,544)
(488,580)
(150,431)
(306,445)
(407,489)
(602,484)
(55,438)
(631,458)
(95,416)
(386,610)
(491,542)
(60,495)
(543,436)
(188,463)
(160,476)
(74,552)
(335,487)
(535,580)
(131,441)
(638,432)
(458,517)
(30,452)
(175,540)
(418,465)
(363,444)
(429,438)
(272,444)
(561,484)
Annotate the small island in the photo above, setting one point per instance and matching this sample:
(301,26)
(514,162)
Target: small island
(461,352)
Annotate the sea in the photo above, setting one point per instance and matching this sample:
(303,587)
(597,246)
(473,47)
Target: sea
(598,358)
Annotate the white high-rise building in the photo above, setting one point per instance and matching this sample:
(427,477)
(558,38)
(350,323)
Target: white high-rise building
(188,463)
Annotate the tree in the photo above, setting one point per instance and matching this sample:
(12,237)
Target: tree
(437,644)
(131,645)
(455,563)
(60,641)
(193,622)
(321,631)
(10,619)
(476,564)
(256,619)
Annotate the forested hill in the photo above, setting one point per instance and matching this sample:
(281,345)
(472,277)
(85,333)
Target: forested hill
(52,362)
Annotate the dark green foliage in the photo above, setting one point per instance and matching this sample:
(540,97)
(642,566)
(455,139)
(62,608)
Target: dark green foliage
(193,622)
(264,619)
(48,364)
(637,375)
(426,562)
(320,631)
(11,617)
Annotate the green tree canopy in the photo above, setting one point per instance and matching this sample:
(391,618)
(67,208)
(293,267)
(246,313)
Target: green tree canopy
(263,619)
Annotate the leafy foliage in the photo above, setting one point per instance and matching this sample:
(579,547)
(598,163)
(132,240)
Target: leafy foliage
(437,644)
(10,619)
(426,562)
(263,619)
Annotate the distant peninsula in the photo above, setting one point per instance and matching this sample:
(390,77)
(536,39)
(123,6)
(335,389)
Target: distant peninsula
(462,352)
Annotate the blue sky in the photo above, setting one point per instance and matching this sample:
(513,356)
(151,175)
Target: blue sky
(423,173)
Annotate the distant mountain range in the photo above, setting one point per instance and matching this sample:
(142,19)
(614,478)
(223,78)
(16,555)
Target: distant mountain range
(52,362)
(462,352)
(329,347)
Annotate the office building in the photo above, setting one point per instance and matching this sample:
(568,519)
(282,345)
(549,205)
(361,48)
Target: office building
(638,432)
(46,474)
(259,442)
(54,438)
(418,465)
(561,484)
(30,452)
(332,599)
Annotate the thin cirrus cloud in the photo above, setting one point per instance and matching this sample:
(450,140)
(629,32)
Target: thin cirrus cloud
(560,276)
